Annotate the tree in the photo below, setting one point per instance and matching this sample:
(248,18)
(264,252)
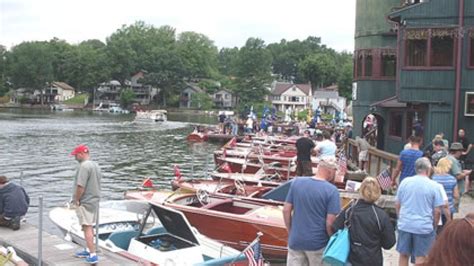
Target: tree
(344,80)
(198,53)
(320,69)
(253,71)
(3,70)
(227,61)
(31,65)
(201,100)
(126,97)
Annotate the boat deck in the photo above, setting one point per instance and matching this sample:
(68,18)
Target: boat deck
(56,251)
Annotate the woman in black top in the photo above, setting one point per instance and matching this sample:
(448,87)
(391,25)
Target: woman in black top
(370,228)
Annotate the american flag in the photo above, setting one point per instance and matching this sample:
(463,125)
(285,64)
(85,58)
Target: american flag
(342,168)
(385,179)
(254,254)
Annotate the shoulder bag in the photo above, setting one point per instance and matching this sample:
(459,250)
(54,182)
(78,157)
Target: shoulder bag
(338,247)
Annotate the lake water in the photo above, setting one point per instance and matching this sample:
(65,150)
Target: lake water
(38,143)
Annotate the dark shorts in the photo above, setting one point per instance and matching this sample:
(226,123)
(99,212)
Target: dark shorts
(304,168)
(417,245)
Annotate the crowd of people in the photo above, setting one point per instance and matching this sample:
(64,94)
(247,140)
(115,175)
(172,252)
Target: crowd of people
(429,185)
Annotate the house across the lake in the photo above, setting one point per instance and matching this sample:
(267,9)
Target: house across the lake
(291,96)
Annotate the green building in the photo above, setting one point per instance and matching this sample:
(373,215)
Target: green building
(414,69)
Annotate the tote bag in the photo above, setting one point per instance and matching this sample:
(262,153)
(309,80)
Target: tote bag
(337,250)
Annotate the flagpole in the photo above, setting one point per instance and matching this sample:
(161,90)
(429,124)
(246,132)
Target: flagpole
(259,234)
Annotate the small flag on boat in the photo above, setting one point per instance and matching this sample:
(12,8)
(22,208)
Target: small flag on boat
(147,183)
(226,167)
(385,179)
(177,173)
(254,254)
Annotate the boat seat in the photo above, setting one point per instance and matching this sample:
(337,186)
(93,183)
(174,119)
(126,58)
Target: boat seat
(216,203)
(122,239)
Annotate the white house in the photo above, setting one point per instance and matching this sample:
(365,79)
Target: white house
(329,101)
(185,99)
(294,96)
(61,91)
(223,99)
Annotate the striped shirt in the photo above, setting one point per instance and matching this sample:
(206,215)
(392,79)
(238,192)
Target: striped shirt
(449,183)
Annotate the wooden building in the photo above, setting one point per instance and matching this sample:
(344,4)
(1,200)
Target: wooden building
(414,67)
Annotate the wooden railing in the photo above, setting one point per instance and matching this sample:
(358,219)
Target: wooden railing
(378,160)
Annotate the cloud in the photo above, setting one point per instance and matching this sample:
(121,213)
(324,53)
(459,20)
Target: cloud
(228,23)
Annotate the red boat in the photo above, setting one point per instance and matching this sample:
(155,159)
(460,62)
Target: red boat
(233,221)
(197,137)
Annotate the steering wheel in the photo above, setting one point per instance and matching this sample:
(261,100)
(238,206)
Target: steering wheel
(240,186)
(202,196)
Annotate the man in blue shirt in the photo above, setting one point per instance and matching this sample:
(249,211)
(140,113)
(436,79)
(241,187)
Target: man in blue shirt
(309,211)
(418,204)
(406,161)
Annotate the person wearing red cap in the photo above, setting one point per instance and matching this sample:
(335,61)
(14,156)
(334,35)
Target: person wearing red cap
(86,197)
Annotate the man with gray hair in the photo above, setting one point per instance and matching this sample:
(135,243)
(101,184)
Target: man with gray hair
(310,209)
(418,204)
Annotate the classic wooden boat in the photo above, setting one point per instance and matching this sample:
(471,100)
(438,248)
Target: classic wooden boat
(197,137)
(232,221)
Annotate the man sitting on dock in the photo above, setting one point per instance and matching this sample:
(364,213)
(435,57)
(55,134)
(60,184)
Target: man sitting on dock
(14,203)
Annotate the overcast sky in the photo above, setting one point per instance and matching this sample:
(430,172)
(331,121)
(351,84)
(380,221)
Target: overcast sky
(228,23)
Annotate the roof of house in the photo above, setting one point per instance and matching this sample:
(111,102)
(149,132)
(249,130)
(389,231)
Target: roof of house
(62,85)
(326,94)
(194,87)
(333,87)
(221,90)
(280,88)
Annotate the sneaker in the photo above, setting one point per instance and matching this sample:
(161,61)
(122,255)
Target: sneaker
(15,223)
(92,260)
(82,254)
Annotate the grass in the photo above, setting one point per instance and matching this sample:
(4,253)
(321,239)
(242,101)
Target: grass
(78,99)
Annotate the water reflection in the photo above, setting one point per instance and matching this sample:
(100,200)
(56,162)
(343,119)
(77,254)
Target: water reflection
(38,143)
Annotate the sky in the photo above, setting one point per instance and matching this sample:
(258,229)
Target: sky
(227,22)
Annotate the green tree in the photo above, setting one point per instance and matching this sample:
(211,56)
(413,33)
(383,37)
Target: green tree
(198,53)
(31,65)
(126,97)
(201,101)
(227,61)
(3,70)
(344,80)
(136,47)
(61,51)
(253,71)
(320,69)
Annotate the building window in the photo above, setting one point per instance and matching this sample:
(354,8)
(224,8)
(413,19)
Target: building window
(430,47)
(442,51)
(416,52)
(360,65)
(471,45)
(396,123)
(389,65)
(368,65)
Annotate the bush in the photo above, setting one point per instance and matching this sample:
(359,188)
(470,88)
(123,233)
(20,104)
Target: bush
(201,101)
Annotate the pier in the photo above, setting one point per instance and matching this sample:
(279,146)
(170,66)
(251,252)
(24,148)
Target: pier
(55,250)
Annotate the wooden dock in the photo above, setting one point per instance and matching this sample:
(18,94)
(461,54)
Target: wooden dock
(56,250)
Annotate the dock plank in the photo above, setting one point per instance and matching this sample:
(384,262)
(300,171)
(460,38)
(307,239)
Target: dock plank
(56,251)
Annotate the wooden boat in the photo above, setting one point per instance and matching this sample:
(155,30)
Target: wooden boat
(232,221)
(197,137)
(147,233)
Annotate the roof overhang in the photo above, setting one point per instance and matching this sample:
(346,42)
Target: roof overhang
(391,102)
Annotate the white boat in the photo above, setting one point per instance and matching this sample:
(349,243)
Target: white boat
(151,116)
(61,107)
(118,110)
(147,233)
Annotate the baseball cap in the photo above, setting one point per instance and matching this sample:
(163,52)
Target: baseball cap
(80,149)
(328,162)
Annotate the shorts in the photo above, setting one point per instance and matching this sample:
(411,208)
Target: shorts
(86,216)
(363,156)
(304,168)
(417,245)
(304,257)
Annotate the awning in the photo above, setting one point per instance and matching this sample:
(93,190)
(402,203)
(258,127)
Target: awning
(391,102)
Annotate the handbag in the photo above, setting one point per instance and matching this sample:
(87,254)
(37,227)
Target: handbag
(338,247)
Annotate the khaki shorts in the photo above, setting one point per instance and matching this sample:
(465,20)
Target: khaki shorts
(363,156)
(87,216)
(305,257)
